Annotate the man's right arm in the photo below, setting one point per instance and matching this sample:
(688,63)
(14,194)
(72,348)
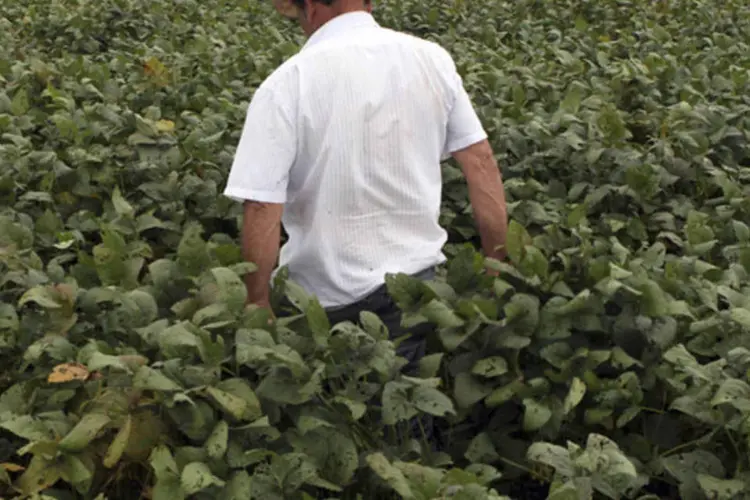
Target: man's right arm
(487,196)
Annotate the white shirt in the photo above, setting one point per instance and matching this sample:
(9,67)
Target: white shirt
(349,134)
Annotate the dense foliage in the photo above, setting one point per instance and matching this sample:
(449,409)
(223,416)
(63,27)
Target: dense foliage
(610,359)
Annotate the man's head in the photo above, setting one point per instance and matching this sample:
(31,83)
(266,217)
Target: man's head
(312,14)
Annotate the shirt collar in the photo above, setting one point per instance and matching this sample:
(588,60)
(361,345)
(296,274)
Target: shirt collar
(341,24)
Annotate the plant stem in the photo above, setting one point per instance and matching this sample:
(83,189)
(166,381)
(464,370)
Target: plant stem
(515,464)
(690,443)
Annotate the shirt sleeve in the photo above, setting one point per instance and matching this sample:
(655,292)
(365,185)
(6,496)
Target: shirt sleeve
(266,151)
(464,127)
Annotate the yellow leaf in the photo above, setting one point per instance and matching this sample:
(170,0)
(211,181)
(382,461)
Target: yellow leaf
(12,467)
(154,66)
(286,8)
(133,360)
(66,293)
(165,125)
(68,372)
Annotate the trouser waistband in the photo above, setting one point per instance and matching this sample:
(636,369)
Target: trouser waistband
(425,275)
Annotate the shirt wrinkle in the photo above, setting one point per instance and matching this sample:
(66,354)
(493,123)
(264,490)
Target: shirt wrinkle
(349,134)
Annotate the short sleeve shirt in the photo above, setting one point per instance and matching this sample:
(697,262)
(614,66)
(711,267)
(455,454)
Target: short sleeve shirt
(349,135)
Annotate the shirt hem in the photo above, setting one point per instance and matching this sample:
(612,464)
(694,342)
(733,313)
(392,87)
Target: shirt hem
(241,195)
(466,141)
(333,305)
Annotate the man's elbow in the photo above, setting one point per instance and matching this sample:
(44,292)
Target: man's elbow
(478,163)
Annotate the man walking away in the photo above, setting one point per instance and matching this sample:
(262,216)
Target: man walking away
(342,144)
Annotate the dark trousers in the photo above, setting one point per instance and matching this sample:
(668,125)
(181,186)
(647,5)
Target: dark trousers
(380,302)
(412,348)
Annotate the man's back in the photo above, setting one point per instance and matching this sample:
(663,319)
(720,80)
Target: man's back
(364,115)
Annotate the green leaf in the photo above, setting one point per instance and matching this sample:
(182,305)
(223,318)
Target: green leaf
(217,443)
(333,453)
(41,295)
(176,337)
(318,321)
(741,231)
(9,325)
(627,415)
(154,380)
(163,463)
(99,361)
(481,449)
(406,290)
(505,393)
(356,408)
(122,207)
(77,473)
(684,466)
(502,287)
(553,455)
(232,290)
(192,251)
(654,300)
(373,325)
(490,367)
(141,306)
(571,489)
(523,309)
(197,476)
(118,445)
(424,481)
(535,263)
(575,395)
(602,448)
(720,489)
(237,399)
(735,392)
(31,428)
(740,316)
(85,431)
(516,241)
(432,401)
(40,474)
(576,305)
(397,404)
(441,314)
(297,295)
(168,488)
(168,485)
(679,355)
(468,390)
(390,474)
(572,101)
(429,365)
(536,415)
(239,487)
(283,387)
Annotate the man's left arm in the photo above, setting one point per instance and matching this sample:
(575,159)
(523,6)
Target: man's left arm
(261,237)
(259,178)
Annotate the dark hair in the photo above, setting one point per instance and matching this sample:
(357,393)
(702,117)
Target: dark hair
(301,3)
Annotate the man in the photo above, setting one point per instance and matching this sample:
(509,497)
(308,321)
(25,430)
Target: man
(343,143)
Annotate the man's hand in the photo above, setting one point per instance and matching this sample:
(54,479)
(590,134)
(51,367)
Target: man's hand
(487,197)
(261,238)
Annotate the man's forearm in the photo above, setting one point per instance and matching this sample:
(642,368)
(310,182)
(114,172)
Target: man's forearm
(490,213)
(487,196)
(261,238)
